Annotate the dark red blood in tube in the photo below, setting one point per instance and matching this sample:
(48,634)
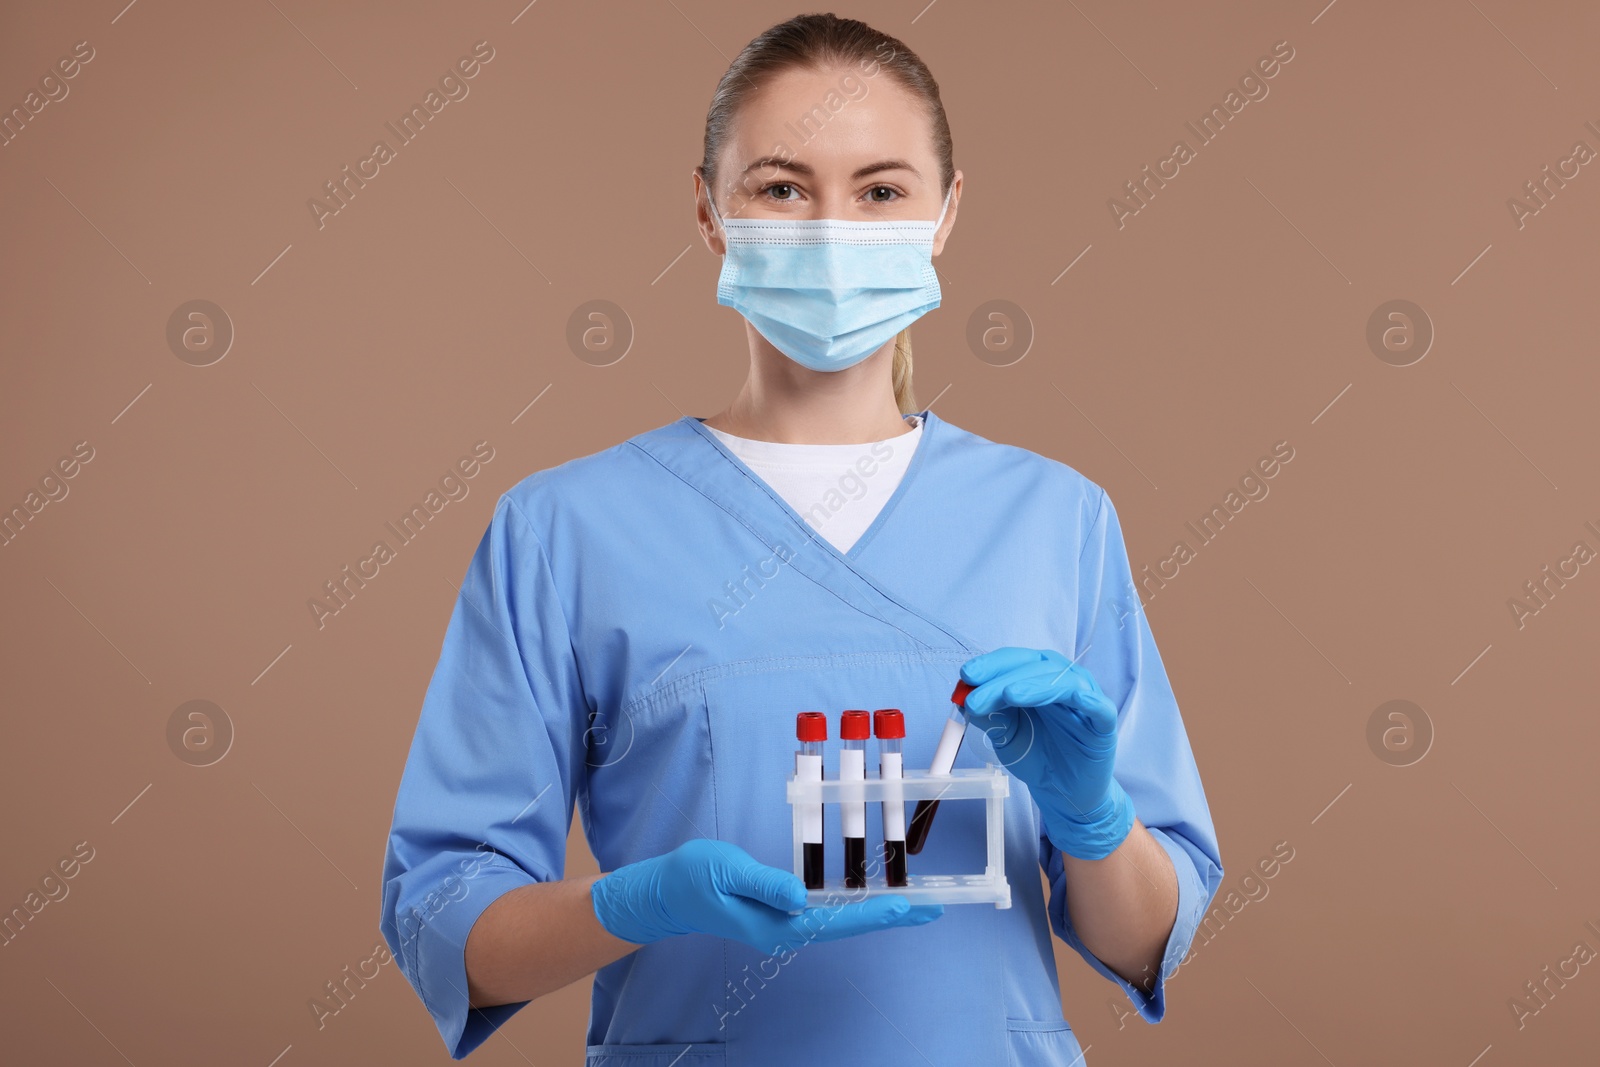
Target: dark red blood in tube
(812,853)
(855,863)
(894,862)
(921,822)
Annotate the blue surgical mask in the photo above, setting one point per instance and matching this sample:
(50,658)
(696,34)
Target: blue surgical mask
(828,293)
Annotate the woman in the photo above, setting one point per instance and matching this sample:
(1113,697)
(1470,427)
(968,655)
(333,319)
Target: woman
(639,628)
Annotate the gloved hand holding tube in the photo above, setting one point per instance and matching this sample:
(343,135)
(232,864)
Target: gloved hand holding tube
(713,887)
(1054,729)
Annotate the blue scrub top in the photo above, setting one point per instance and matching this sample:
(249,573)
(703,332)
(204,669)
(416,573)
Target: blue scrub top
(634,636)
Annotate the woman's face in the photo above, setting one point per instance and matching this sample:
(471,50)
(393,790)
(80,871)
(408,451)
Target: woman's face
(834,143)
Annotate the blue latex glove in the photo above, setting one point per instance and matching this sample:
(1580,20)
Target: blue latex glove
(713,887)
(1053,728)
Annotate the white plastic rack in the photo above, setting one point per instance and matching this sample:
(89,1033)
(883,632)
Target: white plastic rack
(988,783)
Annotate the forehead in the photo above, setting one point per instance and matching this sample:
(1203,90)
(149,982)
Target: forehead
(830,116)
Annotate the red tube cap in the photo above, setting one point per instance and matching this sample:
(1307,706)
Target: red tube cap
(888,723)
(855,725)
(959,697)
(811,726)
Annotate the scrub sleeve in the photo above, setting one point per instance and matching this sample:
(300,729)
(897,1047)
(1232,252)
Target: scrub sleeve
(496,762)
(1154,762)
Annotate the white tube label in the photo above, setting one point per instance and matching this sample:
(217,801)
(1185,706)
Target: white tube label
(894,811)
(809,768)
(853,767)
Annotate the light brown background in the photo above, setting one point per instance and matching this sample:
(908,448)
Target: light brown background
(425,316)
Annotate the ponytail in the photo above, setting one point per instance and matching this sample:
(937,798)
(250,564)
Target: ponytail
(900,374)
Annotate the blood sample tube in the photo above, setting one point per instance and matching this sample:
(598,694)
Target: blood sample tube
(811,727)
(944,758)
(853,729)
(890,728)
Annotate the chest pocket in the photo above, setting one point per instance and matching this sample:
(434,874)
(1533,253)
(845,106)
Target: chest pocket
(1042,1044)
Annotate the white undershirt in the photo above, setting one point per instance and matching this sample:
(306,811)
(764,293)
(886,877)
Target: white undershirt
(837,489)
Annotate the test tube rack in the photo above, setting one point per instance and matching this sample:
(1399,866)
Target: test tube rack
(988,783)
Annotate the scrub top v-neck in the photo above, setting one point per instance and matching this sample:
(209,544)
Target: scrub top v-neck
(632,641)
(838,489)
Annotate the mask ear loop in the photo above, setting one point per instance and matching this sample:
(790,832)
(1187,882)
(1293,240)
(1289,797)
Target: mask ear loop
(711,202)
(940,220)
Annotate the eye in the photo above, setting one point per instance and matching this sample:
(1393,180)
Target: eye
(874,197)
(781,191)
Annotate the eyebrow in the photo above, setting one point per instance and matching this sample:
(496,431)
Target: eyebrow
(801,168)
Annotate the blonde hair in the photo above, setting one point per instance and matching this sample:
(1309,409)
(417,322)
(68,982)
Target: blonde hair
(900,374)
